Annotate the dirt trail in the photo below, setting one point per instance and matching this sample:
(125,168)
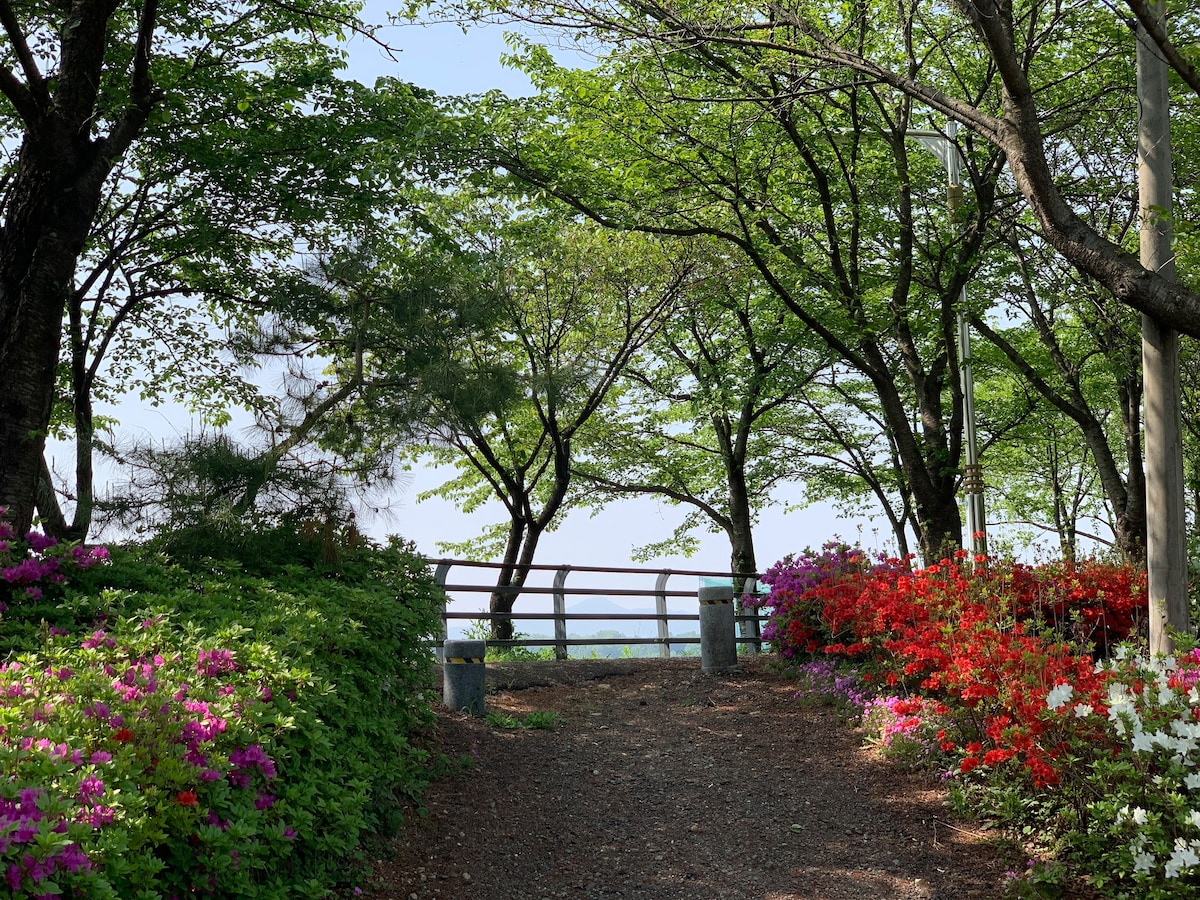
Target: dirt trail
(661,782)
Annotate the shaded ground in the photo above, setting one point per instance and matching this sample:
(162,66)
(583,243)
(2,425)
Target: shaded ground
(662,782)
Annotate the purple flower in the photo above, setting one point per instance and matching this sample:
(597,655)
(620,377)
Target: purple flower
(253,757)
(98,639)
(72,858)
(98,816)
(90,786)
(215,662)
(39,542)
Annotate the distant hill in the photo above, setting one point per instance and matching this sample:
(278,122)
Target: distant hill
(607,628)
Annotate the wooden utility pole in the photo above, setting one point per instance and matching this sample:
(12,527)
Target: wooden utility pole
(1166,556)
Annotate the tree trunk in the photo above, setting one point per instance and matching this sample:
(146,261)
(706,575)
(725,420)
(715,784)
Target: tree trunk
(50,513)
(522,544)
(54,197)
(741,558)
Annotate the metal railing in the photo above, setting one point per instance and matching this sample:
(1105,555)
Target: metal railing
(748,622)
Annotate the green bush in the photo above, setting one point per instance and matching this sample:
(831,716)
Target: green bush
(200,729)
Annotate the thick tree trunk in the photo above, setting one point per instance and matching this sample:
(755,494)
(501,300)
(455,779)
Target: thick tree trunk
(48,211)
(53,200)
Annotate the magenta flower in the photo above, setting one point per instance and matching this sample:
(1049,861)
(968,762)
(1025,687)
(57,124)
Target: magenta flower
(90,786)
(214,662)
(39,542)
(98,639)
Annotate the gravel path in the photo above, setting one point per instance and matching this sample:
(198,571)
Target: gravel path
(661,782)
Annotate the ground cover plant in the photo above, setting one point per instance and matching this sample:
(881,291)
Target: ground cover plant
(1025,686)
(201,729)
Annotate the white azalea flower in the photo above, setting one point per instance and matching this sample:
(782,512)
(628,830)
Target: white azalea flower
(1143,862)
(1192,781)
(1083,710)
(1059,695)
(1118,693)
(1182,857)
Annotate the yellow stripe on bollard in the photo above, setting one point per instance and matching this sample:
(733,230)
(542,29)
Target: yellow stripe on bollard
(464,659)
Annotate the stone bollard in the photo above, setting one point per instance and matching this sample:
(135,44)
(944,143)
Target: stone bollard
(718,639)
(463,675)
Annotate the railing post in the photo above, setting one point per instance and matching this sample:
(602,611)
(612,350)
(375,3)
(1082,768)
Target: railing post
(560,610)
(439,575)
(660,607)
(718,639)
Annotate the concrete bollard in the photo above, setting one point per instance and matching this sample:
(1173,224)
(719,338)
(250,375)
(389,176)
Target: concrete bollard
(463,675)
(718,639)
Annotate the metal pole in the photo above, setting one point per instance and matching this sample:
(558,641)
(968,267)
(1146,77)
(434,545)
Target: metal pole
(560,611)
(660,607)
(439,575)
(1166,555)
(943,147)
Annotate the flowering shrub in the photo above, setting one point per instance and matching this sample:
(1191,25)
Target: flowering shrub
(212,733)
(905,729)
(794,625)
(995,671)
(977,639)
(819,680)
(1142,826)
(127,754)
(32,565)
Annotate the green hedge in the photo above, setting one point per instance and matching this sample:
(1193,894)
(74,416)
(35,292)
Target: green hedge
(256,720)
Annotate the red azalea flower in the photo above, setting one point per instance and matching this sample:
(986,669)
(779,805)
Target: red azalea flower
(123,735)
(187,798)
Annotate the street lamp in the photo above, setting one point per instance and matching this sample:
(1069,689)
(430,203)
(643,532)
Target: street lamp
(943,147)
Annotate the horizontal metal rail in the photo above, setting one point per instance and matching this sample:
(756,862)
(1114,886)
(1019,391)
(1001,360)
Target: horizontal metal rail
(582,592)
(749,630)
(616,570)
(571,617)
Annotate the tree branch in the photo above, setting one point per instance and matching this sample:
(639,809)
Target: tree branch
(31,97)
(1156,32)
